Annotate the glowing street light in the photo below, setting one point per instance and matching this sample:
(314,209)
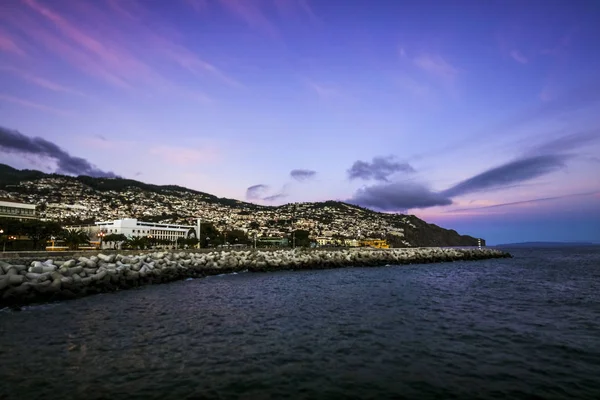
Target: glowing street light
(101,235)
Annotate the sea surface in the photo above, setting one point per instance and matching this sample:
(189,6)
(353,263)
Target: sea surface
(521,328)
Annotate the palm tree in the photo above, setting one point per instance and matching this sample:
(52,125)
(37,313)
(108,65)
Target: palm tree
(115,239)
(74,238)
(138,242)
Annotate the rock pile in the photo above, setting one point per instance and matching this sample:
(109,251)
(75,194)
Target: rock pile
(53,279)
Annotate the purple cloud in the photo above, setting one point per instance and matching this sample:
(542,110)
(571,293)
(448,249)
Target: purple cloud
(302,175)
(380,169)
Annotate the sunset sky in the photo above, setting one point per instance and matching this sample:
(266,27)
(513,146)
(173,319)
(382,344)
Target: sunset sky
(481,116)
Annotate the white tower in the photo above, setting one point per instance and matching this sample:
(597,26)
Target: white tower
(198,231)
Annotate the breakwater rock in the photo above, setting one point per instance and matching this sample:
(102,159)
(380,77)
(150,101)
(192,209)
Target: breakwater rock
(54,279)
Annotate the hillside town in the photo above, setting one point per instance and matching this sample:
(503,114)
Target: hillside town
(73,203)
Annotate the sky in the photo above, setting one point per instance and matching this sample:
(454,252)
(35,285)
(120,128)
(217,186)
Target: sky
(480,116)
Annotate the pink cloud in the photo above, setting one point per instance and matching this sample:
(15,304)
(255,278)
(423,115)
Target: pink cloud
(31,104)
(436,65)
(183,155)
(98,142)
(250,12)
(45,83)
(323,91)
(289,8)
(8,45)
(518,57)
(110,55)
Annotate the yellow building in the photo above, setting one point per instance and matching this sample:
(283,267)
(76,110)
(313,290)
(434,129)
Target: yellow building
(375,243)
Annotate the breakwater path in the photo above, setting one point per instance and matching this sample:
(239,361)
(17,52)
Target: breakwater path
(54,279)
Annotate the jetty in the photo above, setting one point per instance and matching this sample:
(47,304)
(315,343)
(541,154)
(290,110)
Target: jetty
(25,281)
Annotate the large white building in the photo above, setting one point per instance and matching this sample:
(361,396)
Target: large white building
(13,209)
(131,227)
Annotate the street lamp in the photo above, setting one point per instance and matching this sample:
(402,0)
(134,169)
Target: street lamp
(4,241)
(101,235)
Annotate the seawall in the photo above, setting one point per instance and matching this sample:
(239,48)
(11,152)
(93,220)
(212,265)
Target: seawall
(24,282)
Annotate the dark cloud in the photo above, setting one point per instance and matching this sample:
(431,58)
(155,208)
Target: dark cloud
(511,173)
(15,142)
(379,169)
(302,175)
(256,192)
(398,196)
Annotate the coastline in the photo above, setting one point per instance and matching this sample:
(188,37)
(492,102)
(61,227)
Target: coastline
(23,282)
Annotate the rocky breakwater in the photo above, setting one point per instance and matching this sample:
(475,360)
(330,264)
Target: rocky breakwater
(54,279)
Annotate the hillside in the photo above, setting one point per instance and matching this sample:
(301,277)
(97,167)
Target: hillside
(83,199)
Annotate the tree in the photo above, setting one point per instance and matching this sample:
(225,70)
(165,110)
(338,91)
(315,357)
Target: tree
(115,239)
(237,236)
(74,238)
(40,231)
(137,242)
(300,236)
(208,235)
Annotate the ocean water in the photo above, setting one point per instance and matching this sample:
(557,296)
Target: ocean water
(521,328)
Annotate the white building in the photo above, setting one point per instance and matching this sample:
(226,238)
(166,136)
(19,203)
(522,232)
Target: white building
(13,209)
(131,227)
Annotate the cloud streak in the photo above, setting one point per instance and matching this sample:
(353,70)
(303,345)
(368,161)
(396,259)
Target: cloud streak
(508,174)
(525,202)
(380,169)
(13,141)
(435,65)
(518,57)
(302,175)
(42,82)
(31,104)
(8,45)
(253,13)
(566,143)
